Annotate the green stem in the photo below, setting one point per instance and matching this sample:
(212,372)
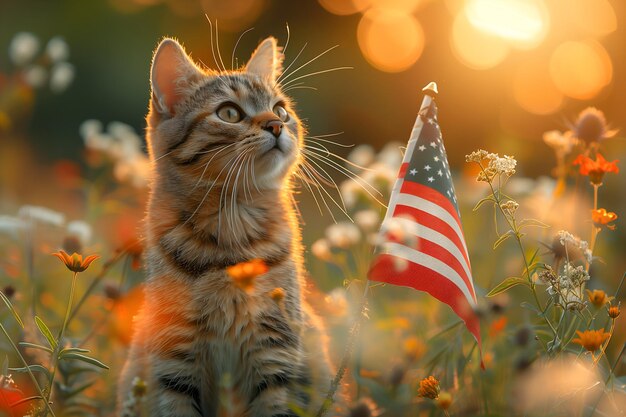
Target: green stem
(55,354)
(30,373)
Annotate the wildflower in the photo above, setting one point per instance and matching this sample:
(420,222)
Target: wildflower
(602,218)
(595,169)
(562,143)
(35,76)
(476,156)
(75,262)
(591,126)
(321,249)
(614,311)
(510,207)
(337,301)
(343,234)
(574,247)
(368,220)
(497,326)
(278,295)
(23,48)
(591,340)
(429,388)
(42,215)
(598,298)
(61,76)
(390,156)
(57,49)
(365,407)
(497,165)
(362,155)
(244,273)
(444,401)
(80,230)
(413,348)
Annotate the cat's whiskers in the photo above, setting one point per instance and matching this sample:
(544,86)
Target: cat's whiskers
(290,65)
(206,166)
(344,160)
(212,46)
(300,174)
(315,73)
(329,180)
(285,76)
(299,86)
(307,168)
(232,57)
(229,174)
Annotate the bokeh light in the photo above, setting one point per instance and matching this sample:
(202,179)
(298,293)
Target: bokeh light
(474,48)
(595,17)
(391,40)
(345,7)
(581,69)
(233,15)
(524,23)
(534,91)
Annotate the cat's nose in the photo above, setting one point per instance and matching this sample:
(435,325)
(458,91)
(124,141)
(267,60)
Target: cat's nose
(274,126)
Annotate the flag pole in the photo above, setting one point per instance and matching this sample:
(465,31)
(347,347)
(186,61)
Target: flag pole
(430,92)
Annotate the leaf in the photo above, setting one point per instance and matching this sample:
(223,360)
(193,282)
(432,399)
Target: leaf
(33,368)
(483,201)
(532,223)
(10,306)
(502,238)
(507,284)
(45,331)
(84,358)
(529,306)
(35,346)
(70,392)
(72,350)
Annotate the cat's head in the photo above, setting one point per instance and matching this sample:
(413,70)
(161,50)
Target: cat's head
(206,126)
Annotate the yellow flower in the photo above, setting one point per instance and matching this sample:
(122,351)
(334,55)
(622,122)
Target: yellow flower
(591,340)
(603,218)
(429,388)
(614,311)
(444,401)
(244,273)
(75,262)
(414,348)
(598,297)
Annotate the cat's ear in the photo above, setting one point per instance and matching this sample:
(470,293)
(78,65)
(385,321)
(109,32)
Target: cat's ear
(172,75)
(267,60)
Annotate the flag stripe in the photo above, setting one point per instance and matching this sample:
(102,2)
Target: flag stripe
(430,194)
(401,251)
(433,209)
(428,220)
(438,245)
(430,281)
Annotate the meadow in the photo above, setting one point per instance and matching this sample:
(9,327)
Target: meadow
(541,217)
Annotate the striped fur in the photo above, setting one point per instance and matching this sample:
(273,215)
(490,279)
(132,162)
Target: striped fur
(204,346)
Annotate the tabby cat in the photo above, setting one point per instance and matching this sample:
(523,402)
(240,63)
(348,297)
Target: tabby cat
(224,146)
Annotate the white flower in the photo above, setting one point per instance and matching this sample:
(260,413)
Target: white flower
(343,234)
(337,300)
(321,249)
(349,192)
(368,220)
(35,76)
(42,215)
(23,48)
(89,128)
(61,76)
(362,155)
(391,155)
(12,225)
(80,230)
(57,49)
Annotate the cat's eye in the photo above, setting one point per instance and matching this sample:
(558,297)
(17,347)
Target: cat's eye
(280,111)
(229,113)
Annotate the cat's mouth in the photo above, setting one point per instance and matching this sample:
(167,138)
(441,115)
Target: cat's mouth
(272,146)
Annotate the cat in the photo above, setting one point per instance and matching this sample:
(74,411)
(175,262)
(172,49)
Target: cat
(224,146)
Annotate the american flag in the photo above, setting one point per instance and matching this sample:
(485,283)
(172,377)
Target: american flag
(423,243)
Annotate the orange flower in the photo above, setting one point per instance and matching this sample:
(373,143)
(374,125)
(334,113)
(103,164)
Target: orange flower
(601,218)
(75,262)
(591,340)
(595,169)
(497,326)
(614,311)
(429,388)
(598,298)
(413,348)
(244,273)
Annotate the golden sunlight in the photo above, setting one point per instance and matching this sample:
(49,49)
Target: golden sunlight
(391,40)
(345,7)
(581,69)
(534,91)
(475,48)
(523,23)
